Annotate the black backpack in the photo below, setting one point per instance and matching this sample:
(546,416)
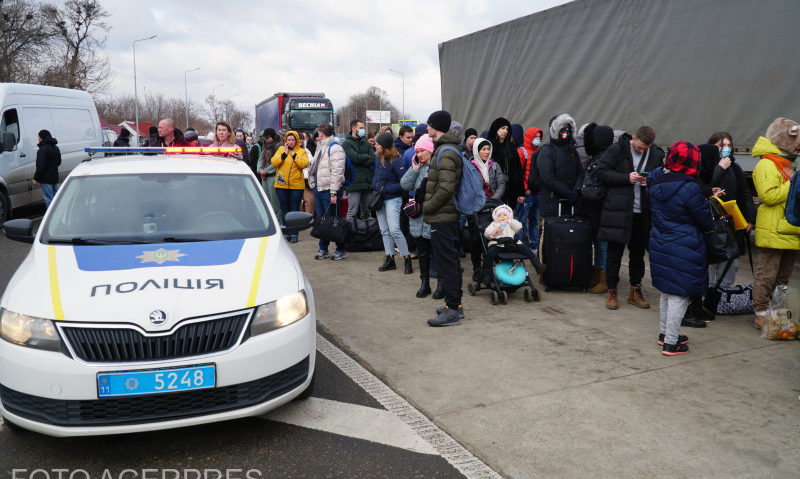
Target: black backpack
(593,189)
(534,183)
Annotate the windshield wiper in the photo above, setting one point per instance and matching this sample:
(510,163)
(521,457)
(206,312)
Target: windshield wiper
(182,239)
(93,241)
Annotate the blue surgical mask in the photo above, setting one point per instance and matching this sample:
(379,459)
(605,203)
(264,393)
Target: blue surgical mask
(537,142)
(362,132)
(725,152)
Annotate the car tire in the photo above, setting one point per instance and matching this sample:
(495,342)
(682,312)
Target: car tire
(309,390)
(5,208)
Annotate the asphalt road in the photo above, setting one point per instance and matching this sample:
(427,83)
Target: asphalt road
(341,431)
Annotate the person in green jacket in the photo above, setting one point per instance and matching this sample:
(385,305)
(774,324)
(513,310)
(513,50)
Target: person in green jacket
(777,240)
(362,156)
(267,171)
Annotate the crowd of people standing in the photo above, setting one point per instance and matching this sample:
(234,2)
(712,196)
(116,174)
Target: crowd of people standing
(653,200)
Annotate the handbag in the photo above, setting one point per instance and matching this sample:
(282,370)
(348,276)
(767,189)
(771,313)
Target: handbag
(721,240)
(331,228)
(413,209)
(374,200)
(736,300)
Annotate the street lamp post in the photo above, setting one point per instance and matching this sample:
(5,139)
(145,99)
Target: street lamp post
(186,90)
(135,90)
(404,90)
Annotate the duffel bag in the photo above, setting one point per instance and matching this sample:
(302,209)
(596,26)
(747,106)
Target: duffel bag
(736,300)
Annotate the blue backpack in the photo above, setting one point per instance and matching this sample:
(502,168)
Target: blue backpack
(793,201)
(349,171)
(470,197)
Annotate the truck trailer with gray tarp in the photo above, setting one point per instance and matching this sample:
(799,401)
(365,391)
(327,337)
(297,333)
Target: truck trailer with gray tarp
(687,68)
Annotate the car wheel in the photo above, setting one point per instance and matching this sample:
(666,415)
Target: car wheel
(5,208)
(309,390)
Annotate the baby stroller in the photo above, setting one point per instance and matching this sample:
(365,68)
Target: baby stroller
(509,274)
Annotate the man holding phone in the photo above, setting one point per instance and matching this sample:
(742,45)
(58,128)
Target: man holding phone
(625,218)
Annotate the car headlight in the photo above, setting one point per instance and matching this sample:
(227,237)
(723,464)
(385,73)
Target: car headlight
(29,331)
(279,313)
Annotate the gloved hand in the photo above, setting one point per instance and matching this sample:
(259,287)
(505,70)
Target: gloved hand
(283,156)
(574,197)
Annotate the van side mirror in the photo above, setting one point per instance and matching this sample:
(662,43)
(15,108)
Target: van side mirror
(297,221)
(9,141)
(20,229)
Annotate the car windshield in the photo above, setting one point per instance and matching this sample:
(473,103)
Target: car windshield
(157,208)
(310,119)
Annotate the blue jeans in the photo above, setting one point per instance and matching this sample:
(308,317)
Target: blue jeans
(323,207)
(48,192)
(389,222)
(528,215)
(600,253)
(290,201)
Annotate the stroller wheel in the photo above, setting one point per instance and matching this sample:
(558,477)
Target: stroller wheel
(503,297)
(535,295)
(526,295)
(471,289)
(493,297)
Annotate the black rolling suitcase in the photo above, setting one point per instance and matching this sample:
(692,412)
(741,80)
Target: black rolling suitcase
(567,251)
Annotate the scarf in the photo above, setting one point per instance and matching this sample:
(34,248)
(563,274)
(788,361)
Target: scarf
(783,165)
(483,168)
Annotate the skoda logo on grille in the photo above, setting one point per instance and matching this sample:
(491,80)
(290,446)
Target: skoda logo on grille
(158,317)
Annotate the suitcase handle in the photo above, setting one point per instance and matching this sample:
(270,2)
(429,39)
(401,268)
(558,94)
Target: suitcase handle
(561,208)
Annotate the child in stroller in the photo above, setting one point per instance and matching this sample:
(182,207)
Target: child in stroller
(502,245)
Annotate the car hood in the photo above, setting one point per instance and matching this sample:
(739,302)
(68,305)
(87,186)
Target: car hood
(126,283)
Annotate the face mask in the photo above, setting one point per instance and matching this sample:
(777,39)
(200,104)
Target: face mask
(537,142)
(362,132)
(564,133)
(725,152)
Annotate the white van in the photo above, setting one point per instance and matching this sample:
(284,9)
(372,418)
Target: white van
(69,115)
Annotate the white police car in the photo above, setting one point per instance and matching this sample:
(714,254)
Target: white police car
(158,293)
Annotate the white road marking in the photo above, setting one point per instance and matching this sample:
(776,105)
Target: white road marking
(447,447)
(352,420)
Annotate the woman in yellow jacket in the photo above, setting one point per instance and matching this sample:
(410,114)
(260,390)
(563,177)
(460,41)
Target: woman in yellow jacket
(776,239)
(290,160)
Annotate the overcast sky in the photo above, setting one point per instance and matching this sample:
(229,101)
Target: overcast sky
(259,48)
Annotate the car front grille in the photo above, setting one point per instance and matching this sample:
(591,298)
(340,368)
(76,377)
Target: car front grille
(156,407)
(115,345)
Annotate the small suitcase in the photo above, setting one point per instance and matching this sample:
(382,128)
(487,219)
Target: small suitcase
(567,251)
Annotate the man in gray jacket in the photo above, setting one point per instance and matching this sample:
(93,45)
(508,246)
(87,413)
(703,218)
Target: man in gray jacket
(326,178)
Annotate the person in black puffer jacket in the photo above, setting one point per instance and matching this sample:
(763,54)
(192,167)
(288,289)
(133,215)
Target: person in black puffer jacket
(48,159)
(560,170)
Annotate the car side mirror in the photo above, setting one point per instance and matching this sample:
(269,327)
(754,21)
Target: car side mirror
(297,221)
(9,141)
(20,229)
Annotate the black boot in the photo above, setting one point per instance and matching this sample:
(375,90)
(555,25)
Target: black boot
(388,264)
(425,288)
(408,267)
(690,320)
(439,293)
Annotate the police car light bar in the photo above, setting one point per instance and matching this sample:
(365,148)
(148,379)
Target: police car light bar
(170,150)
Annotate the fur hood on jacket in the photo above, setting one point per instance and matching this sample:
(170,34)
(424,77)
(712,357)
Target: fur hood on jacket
(560,121)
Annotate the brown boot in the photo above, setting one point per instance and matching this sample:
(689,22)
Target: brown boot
(636,298)
(759,319)
(602,285)
(595,278)
(611,299)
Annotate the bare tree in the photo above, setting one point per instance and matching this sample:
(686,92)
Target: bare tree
(372,99)
(225,110)
(115,110)
(76,57)
(23,38)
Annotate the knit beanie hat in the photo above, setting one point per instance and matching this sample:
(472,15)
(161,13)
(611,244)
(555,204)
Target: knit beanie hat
(385,140)
(683,157)
(785,134)
(421,129)
(470,132)
(44,134)
(502,209)
(440,121)
(424,143)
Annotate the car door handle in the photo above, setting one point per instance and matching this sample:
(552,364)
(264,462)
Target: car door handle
(22,155)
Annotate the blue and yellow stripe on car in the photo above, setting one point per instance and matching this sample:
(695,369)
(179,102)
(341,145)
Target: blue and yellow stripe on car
(55,292)
(262,249)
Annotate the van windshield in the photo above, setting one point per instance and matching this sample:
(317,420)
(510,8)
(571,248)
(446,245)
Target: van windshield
(310,119)
(157,208)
